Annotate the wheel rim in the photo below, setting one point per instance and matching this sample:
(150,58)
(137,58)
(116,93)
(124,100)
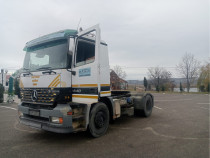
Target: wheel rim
(100,119)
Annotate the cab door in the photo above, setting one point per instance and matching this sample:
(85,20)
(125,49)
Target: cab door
(86,83)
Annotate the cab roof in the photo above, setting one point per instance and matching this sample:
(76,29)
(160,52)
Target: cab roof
(56,35)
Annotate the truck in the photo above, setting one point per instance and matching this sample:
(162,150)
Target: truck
(65,85)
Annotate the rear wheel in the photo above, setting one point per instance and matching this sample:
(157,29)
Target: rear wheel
(147,107)
(99,120)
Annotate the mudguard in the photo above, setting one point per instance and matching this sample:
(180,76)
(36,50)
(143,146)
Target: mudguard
(139,100)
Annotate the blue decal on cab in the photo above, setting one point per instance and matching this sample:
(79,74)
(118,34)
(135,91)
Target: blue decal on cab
(84,72)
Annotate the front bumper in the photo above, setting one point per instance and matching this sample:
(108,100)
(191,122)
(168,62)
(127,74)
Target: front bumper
(43,120)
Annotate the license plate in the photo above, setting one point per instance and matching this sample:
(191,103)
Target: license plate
(34,112)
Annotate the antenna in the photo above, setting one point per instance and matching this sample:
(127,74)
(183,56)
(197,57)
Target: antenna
(78,24)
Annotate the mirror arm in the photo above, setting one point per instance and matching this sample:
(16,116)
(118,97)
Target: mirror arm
(73,72)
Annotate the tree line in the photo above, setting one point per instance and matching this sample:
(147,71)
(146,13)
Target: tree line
(189,68)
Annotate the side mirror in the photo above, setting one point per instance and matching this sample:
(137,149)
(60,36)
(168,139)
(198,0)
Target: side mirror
(73,73)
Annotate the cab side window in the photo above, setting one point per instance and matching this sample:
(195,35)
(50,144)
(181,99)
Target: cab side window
(85,52)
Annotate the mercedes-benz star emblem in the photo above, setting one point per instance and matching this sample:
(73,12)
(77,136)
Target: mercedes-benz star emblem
(34,95)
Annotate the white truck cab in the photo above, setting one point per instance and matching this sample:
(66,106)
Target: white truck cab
(65,85)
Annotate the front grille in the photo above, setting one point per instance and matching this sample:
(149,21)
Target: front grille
(44,95)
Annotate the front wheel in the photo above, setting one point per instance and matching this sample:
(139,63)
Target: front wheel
(99,120)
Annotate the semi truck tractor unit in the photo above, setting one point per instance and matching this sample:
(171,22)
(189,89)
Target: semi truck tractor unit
(65,85)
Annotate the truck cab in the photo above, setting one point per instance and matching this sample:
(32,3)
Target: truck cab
(65,84)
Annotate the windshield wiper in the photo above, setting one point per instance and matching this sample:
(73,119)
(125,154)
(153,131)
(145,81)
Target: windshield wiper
(48,70)
(28,73)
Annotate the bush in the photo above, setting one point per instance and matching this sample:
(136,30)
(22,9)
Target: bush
(181,88)
(208,87)
(157,88)
(1,93)
(202,88)
(149,87)
(163,88)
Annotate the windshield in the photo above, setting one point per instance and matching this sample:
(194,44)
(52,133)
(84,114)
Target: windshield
(51,55)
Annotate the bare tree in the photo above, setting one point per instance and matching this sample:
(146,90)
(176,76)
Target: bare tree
(188,68)
(120,72)
(159,77)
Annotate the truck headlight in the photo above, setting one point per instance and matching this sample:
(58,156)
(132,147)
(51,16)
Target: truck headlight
(56,119)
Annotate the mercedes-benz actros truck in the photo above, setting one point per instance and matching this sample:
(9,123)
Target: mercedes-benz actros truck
(65,85)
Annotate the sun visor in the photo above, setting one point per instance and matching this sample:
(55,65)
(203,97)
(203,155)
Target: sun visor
(53,36)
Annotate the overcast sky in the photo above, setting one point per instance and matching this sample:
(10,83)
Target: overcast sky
(140,34)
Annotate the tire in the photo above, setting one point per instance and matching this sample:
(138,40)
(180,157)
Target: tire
(99,120)
(147,107)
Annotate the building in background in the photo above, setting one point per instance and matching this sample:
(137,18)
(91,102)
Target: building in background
(117,83)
